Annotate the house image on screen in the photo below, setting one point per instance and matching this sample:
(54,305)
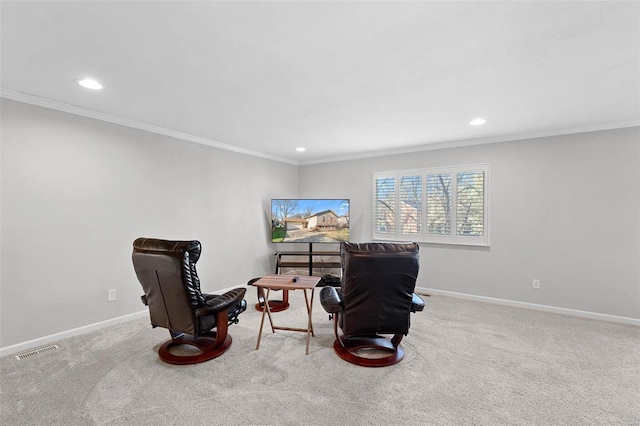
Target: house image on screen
(323,220)
(295,223)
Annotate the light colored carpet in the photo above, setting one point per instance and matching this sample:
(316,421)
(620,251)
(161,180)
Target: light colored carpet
(466,363)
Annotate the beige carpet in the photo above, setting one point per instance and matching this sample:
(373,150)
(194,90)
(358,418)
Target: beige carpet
(466,363)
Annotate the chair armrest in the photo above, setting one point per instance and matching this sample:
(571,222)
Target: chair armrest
(330,300)
(253,280)
(215,303)
(417,303)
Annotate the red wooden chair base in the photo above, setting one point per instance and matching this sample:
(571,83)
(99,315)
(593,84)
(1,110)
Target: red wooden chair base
(274,306)
(347,350)
(206,345)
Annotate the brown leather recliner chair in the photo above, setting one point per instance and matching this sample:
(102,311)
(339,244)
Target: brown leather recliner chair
(375,298)
(167,272)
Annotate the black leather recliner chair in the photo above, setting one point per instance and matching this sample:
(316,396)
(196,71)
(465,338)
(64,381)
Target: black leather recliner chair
(167,272)
(375,298)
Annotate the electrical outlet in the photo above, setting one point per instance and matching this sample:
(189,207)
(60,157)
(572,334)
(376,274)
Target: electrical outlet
(111,295)
(536,284)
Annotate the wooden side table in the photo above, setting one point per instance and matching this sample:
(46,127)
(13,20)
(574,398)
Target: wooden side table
(287,283)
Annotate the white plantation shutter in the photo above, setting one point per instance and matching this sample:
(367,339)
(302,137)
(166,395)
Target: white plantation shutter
(445,205)
(470,210)
(384,209)
(439,204)
(410,205)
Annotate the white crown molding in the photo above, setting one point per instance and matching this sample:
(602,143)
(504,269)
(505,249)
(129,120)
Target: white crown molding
(479,141)
(72,109)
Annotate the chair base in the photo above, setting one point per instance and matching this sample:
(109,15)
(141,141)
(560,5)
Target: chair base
(274,306)
(206,344)
(347,348)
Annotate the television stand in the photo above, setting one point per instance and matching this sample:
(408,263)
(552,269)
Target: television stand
(296,259)
(291,259)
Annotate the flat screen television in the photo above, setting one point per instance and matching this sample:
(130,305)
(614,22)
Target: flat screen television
(309,220)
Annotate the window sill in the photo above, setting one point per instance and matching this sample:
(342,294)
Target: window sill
(437,243)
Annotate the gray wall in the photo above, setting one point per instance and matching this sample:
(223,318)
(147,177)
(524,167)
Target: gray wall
(76,192)
(564,210)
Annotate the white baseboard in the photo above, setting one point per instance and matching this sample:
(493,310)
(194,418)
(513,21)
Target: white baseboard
(46,340)
(526,305)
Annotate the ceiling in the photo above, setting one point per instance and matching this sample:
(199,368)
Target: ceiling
(342,79)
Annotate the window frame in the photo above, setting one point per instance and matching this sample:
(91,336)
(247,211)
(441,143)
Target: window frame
(422,236)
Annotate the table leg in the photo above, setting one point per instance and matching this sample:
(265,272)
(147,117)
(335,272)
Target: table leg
(309,308)
(309,312)
(268,308)
(265,309)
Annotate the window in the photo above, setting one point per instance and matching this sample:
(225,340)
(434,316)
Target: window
(446,205)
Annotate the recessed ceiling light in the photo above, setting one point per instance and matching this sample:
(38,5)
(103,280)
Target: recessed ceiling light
(301,149)
(477,121)
(90,84)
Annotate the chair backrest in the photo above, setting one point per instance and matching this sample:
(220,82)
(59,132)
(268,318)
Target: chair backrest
(378,280)
(167,272)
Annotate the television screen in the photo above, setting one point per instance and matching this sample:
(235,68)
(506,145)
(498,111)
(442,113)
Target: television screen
(309,220)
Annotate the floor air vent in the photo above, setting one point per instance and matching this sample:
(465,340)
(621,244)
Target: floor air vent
(37,352)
